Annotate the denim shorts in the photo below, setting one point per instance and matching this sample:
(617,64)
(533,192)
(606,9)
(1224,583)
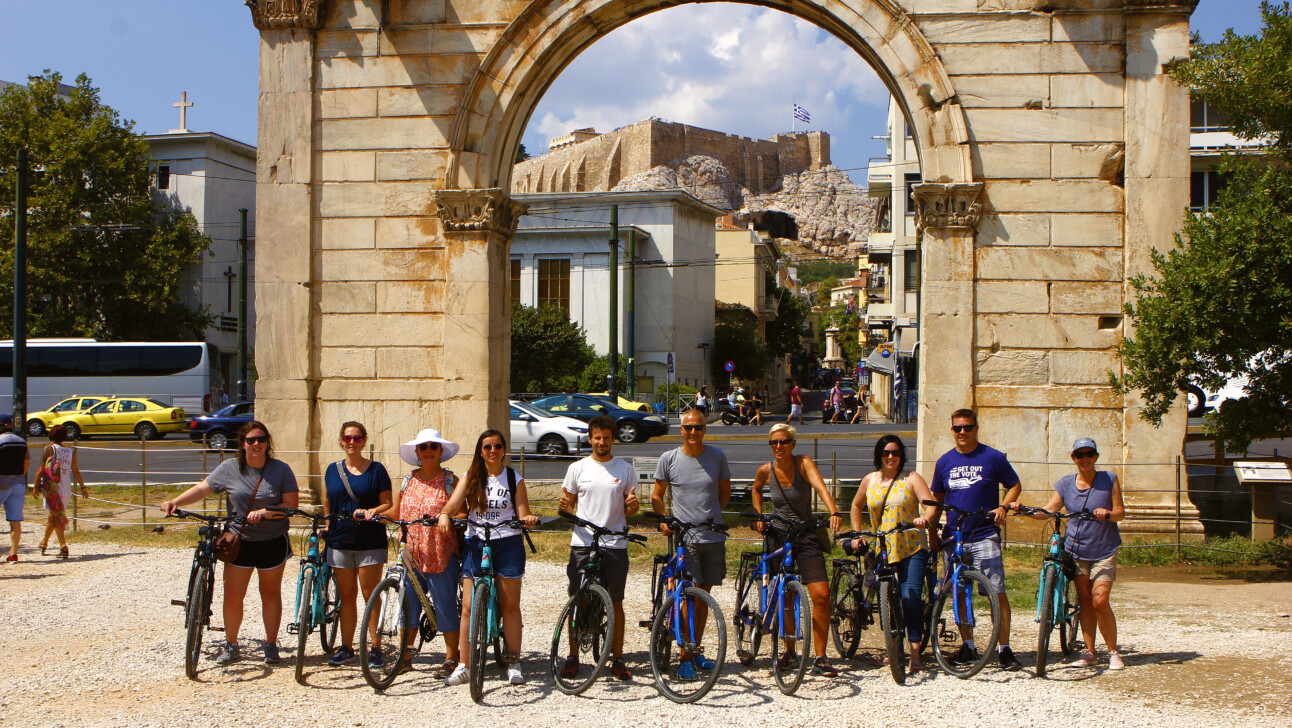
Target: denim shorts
(508,557)
(985,557)
(12,497)
(442,588)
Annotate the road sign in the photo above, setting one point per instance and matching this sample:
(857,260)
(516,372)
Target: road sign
(886,350)
(670,362)
(729,367)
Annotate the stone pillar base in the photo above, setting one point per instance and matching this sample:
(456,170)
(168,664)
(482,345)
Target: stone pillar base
(1157,523)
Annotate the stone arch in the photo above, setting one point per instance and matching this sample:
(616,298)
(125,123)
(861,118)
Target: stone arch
(547,35)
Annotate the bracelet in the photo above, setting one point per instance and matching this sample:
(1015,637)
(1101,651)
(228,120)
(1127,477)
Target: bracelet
(836,513)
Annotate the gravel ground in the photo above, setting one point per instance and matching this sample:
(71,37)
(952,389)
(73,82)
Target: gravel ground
(95,641)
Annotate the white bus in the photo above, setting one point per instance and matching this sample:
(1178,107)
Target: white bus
(176,373)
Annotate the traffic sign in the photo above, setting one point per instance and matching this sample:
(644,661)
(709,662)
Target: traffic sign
(729,366)
(670,362)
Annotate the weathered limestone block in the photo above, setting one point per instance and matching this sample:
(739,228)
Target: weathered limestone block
(386,133)
(366,199)
(1035,331)
(381,390)
(1100,161)
(353,14)
(1019,432)
(466,12)
(1085,90)
(1082,297)
(1047,396)
(1012,161)
(419,264)
(409,232)
(349,103)
(416,12)
(1012,296)
(1084,367)
(418,100)
(1012,366)
(347,43)
(284,233)
(347,362)
(948,297)
(1083,27)
(1014,229)
(347,297)
(283,154)
(384,329)
(417,41)
(282,317)
(339,233)
(413,165)
(1151,219)
(1047,264)
(1068,425)
(1003,91)
(983,58)
(409,362)
(410,296)
(381,71)
(1074,195)
(348,166)
(1086,230)
(1018,28)
(1044,125)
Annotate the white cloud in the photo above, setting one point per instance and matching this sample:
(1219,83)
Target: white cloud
(734,68)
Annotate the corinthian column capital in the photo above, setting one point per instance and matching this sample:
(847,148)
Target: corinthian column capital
(280,14)
(955,205)
(489,210)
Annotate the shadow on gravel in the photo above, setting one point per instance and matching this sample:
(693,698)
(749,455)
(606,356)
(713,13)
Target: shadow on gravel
(1134,657)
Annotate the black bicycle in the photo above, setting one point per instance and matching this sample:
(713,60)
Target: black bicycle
(201,583)
(589,614)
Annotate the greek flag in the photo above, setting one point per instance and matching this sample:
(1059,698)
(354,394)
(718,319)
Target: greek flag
(802,115)
(897,380)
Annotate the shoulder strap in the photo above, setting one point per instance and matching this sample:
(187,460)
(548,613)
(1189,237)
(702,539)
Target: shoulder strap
(345,480)
(511,485)
(797,464)
(449,481)
(407,479)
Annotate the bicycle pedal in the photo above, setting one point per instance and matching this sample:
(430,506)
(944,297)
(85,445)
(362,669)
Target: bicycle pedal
(216,629)
(293,628)
(645,622)
(179,603)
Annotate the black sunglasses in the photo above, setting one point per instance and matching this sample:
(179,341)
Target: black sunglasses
(964,428)
(492,446)
(774,443)
(1084,454)
(692,428)
(428,446)
(256,439)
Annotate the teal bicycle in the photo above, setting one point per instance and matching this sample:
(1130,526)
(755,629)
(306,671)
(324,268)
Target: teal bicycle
(318,601)
(1056,603)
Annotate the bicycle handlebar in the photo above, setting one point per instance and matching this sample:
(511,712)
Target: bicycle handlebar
(599,531)
(231,518)
(1079,515)
(900,526)
(683,526)
(794,527)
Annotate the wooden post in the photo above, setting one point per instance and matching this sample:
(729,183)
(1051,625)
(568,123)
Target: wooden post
(522,463)
(143,481)
(1178,491)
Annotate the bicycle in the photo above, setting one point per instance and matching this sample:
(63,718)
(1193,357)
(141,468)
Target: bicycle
(1056,605)
(201,583)
(486,617)
(381,627)
(886,590)
(318,601)
(958,586)
(854,600)
(589,613)
(673,601)
(779,591)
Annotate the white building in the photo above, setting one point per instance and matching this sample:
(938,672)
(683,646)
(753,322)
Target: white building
(893,282)
(561,256)
(212,177)
(1209,139)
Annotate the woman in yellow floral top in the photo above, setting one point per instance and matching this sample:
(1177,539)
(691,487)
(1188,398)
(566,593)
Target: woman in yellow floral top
(424,493)
(892,495)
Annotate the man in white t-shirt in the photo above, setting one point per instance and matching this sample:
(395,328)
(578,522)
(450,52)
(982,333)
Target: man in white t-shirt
(601,489)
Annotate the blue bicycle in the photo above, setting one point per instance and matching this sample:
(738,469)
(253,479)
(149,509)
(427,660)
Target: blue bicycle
(1056,604)
(318,601)
(778,607)
(951,647)
(674,599)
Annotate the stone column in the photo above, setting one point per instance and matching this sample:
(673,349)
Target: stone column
(284,200)
(1157,192)
(946,217)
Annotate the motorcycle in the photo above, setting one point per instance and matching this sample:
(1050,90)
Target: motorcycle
(731,416)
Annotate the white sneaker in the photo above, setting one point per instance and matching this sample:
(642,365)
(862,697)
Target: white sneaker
(514,675)
(458,676)
(1087,659)
(1115,661)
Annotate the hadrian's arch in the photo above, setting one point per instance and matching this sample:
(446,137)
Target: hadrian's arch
(1052,144)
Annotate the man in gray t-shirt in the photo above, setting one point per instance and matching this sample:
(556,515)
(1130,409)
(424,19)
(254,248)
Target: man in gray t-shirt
(701,483)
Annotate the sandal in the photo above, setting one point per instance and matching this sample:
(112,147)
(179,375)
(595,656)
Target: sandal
(446,669)
(62,553)
(621,671)
(570,668)
(42,548)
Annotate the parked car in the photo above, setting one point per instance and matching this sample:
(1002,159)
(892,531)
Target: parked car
(630,425)
(220,428)
(146,419)
(38,423)
(623,402)
(543,432)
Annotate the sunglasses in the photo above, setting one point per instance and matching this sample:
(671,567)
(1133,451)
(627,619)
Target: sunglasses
(492,446)
(892,453)
(692,428)
(1084,454)
(428,446)
(775,443)
(353,438)
(963,428)
(256,440)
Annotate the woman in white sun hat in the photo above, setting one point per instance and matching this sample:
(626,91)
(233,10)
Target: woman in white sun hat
(424,492)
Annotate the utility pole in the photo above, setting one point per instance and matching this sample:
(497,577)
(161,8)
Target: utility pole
(630,343)
(613,388)
(242,304)
(20,297)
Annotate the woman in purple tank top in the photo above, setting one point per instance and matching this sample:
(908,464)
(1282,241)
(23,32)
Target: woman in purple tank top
(1093,544)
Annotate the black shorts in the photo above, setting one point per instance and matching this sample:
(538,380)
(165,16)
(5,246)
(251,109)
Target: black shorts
(614,569)
(266,555)
(807,556)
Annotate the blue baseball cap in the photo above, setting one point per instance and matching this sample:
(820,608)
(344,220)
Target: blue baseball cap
(1084,443)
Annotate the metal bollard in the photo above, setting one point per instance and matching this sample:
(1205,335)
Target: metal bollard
(143,481)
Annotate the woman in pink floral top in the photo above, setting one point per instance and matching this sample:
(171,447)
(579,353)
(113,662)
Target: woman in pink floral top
(424,492)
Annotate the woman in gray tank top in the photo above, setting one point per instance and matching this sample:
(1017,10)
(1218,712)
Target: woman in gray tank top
(1093,544)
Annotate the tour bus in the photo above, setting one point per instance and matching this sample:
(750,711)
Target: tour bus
(176,373)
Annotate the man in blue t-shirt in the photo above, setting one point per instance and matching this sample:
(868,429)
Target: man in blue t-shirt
(969,477)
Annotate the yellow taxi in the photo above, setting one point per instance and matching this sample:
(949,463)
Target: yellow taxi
(38,422)
(146,419)
(624,402)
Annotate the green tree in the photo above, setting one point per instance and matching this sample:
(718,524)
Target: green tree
(593,377)
(548,351)
(735,339)
(105,258)
(785,332)
(1219,305)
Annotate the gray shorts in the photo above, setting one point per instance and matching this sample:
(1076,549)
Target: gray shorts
(985,557)
(347,559)
(1101,570)
(707,562)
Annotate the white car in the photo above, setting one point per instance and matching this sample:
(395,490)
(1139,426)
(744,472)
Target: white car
(541,432)
(1235,388)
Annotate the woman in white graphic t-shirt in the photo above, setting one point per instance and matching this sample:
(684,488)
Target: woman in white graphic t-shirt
(492,493)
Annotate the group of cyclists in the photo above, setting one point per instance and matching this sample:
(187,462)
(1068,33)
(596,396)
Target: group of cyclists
(692,482)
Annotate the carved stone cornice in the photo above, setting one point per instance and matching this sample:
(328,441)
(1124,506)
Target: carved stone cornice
(1177,6)
(280,14)
(955,205)
(470,211)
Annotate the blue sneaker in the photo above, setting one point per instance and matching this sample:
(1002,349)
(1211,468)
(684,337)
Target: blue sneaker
(703,663)
(686,671)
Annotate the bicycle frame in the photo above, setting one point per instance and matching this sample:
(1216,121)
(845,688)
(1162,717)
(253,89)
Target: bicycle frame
(315,563)
(1053,561)
(676,579)
(771,587)
(400,568)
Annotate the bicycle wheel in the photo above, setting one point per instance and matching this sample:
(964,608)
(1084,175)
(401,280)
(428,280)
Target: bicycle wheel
(972,620)
(195,616)
(788,667)
(304,621)
(1045,619)
(588,615)
(894,631)
(331,623)
(928,598)
(845,612)
(870,638)
(662,638)
(384,615)
(1070,627)
(479,643)
(747,621)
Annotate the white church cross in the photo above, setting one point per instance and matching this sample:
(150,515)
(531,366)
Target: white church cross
(183,104)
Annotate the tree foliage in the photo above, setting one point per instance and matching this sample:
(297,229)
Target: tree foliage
(849,324)
(1219,305)
(735,339)
(85,280)
(548,351)
(785,332)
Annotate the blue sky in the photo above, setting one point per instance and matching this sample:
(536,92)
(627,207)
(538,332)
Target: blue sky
(736,68)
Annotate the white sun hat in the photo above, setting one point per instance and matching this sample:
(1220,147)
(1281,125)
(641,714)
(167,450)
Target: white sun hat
(408,451)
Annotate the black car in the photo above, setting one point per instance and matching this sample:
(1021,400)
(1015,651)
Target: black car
(219,430)
(630,425)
